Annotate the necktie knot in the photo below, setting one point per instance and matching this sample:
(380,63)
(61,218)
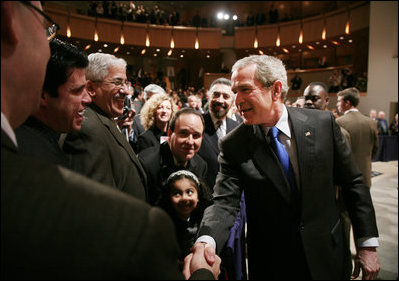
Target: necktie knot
(273,132)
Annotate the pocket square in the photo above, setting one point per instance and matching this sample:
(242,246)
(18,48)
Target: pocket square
(308,133)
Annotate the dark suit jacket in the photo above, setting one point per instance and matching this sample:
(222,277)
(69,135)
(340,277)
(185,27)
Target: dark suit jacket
(100,151)
(138,129)
(37,140)
(151,137)
(283,240)
(158,164)
(57,224)
(209,150)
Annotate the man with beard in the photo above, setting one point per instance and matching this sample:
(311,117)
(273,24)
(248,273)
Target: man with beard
(217,124)
(99,150)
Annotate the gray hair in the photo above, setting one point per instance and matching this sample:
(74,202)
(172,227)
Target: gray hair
(153,89)
(268,70)
(223,81)
(99,64)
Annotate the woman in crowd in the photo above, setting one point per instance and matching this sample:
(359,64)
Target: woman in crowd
(155,116)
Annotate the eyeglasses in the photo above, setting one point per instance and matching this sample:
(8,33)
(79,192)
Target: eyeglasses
(49,25)
(117,83)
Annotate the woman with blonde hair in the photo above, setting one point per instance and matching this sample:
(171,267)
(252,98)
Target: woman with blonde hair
(155,116)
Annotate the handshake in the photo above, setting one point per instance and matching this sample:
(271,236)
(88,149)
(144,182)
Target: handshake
(202,256)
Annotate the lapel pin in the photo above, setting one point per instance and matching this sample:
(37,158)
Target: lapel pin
(307,133)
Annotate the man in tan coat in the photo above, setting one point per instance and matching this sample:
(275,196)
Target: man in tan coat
(362,130)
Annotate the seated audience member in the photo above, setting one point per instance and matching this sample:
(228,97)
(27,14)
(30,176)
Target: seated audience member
(99,150)
(185,135)
(217,125)
(300,102)
(382,124)
(394,126)
(155,117)
(335,81)
(55,223)
(316,96)
(62,103)
(373,114)
(194,102)
(184,197)
(137,127)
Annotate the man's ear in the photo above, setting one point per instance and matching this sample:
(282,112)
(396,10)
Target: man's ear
(44,99)
(276,90)
(91,88)
(8,23)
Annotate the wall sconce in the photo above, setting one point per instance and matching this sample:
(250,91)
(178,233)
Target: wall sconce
(324,32)
(347,26)
(278,36)
(147,37)
(196,46)
(95,31)
(256,37)
(122,36)
(68,30)
(300,39)
(143,51)
(172,41)
(116,50)
(170,52)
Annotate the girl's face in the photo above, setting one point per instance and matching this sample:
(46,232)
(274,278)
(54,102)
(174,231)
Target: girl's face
(184,197)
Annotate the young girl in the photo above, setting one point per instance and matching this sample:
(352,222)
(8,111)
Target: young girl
(184,198)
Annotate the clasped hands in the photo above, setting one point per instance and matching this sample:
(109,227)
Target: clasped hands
(202,256)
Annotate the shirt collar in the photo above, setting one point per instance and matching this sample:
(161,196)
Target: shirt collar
(214,120)
(6,127)
(282,123)
(351,110)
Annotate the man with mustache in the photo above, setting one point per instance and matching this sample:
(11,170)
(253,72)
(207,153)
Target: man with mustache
(217,124)
(100,151)
(62,103)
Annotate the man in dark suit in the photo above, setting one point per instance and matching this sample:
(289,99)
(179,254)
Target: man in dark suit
(185,135)
(382,124)
(99,150)
(217,125)
(55,223)
(294,229)
(62,103)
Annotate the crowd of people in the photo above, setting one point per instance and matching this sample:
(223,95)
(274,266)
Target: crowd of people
(153,14)
(101,180)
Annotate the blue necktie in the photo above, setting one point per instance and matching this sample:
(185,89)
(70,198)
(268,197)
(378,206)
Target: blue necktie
(282,155)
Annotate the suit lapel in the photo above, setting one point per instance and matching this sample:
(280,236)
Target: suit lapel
(305,139)
(210,133)
(267,162)
(121,140)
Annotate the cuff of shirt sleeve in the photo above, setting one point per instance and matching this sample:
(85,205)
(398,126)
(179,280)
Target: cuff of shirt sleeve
(207,239)
(367,242)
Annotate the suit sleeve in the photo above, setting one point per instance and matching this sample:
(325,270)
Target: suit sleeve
(219,217)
